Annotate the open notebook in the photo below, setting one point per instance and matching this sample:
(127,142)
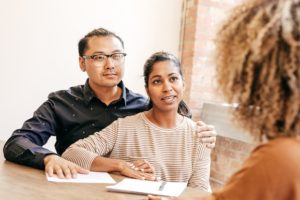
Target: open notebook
(148,187)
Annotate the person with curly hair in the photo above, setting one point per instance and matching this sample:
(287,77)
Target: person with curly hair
(258,68)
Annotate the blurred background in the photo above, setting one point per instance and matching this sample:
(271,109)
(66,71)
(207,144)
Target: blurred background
(39,51)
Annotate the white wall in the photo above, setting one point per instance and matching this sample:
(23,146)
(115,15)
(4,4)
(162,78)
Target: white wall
(38,40)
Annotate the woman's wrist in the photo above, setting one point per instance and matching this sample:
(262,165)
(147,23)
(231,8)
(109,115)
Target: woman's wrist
(120,165)
(107,164)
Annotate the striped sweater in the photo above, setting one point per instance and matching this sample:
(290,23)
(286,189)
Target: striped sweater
(176,154)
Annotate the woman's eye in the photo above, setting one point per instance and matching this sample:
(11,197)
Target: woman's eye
(156,82)
(173,79)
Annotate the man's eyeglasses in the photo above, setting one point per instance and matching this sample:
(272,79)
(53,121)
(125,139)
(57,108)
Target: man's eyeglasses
(101,59)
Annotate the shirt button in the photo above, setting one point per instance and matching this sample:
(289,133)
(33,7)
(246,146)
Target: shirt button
(83,132)
(93,124)
(73,115)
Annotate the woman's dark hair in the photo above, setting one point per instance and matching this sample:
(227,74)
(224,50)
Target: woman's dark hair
(148,67)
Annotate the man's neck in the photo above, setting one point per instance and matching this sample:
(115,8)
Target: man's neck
(107,94)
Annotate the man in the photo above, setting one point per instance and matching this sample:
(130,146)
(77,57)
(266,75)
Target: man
(75,113)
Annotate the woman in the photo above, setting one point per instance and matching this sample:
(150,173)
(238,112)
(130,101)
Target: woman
(259,68)
(164,138)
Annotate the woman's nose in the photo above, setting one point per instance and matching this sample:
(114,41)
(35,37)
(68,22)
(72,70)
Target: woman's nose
(167,87)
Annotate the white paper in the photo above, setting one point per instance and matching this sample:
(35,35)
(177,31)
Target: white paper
(148,187)
(91,177)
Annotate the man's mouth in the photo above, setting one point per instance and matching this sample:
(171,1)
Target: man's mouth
(109,74)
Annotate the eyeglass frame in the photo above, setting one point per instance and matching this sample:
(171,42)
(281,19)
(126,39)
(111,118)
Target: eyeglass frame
(102,54)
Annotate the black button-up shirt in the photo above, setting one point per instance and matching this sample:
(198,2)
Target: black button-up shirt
(69,115)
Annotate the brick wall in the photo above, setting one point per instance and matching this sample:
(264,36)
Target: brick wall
(226,158)
(201,19)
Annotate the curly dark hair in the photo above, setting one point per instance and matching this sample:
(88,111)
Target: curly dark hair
(258,66)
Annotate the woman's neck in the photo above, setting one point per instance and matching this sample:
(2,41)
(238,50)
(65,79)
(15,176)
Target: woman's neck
(164,119)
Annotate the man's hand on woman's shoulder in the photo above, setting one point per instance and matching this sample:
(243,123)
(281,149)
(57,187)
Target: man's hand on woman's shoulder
(207,133)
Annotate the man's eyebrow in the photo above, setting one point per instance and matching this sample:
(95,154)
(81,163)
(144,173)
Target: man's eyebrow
(102,52)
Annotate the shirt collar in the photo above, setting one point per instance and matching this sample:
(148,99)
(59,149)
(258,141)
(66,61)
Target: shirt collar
(89,94)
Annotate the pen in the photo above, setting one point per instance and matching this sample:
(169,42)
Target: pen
(162,185)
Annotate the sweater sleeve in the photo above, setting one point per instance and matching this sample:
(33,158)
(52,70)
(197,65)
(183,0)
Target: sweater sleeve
(201,167)
(84,151)
(270,172)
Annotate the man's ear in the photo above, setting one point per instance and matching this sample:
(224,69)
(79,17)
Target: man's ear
(82,64)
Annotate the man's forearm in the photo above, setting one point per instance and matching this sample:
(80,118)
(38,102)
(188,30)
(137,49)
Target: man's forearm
(22,151)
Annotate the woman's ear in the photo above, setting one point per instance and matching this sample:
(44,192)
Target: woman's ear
(183,86)
(147,90)
(82,64)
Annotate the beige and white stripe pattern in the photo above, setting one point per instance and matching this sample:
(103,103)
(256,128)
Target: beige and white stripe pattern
(177,154)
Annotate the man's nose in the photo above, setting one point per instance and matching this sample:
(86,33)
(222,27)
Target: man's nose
(109,63)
